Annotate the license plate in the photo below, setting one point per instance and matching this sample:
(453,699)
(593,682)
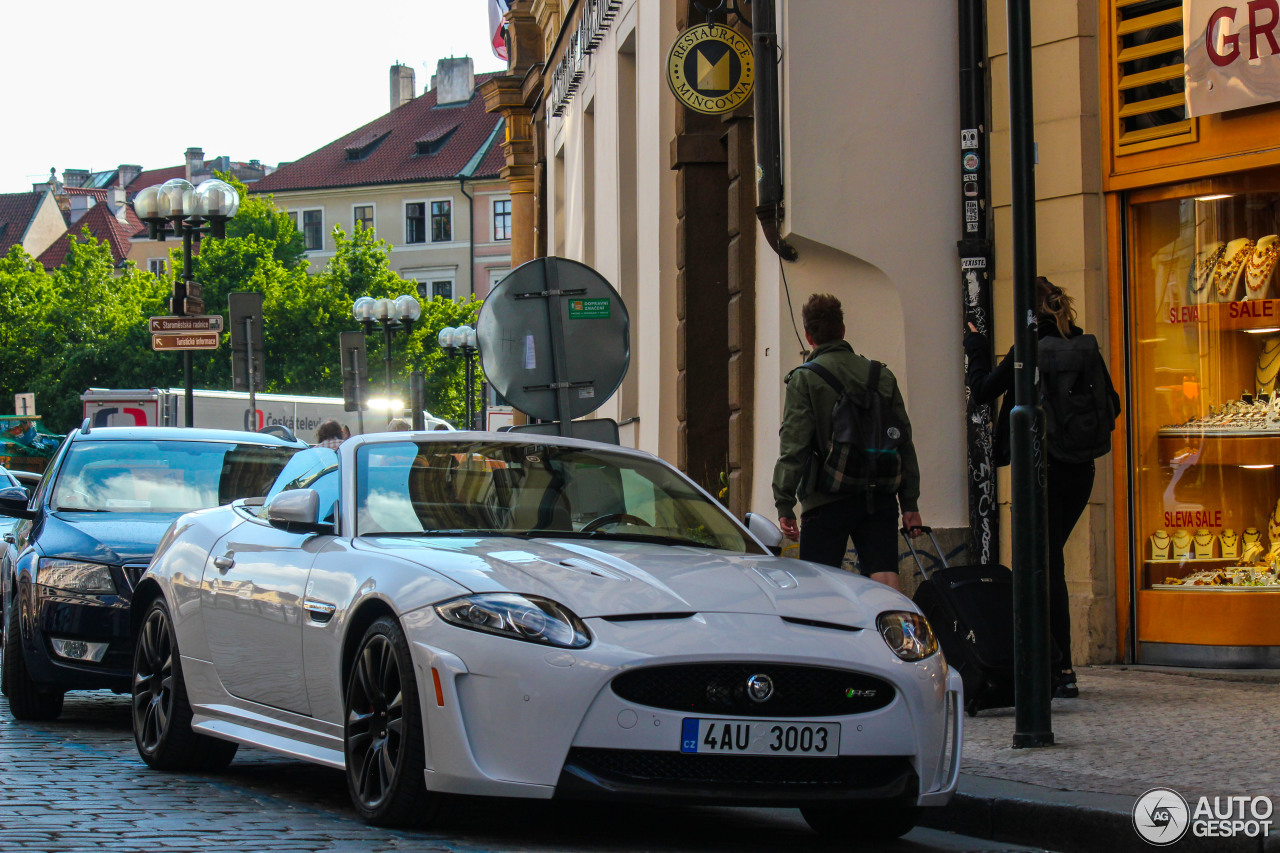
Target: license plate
(759,737)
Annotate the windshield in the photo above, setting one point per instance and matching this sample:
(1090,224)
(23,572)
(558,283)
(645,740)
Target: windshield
(480,488)
(163,476)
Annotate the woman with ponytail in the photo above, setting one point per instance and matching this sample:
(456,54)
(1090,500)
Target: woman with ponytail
(1069,483)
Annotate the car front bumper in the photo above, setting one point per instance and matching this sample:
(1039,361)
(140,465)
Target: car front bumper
(518,719)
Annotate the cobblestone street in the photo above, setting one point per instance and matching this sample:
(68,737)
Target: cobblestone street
(78,785)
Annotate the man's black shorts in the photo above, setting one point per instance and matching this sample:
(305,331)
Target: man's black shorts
(825,533)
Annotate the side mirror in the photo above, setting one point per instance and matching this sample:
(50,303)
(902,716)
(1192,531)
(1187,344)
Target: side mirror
(296,509)
(766,531)
(14,502)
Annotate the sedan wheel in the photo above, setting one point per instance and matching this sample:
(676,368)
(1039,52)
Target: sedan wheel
(385,755)
(27,701)
(161,712)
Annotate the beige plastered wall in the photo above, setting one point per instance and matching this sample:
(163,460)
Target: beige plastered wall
(46,226)
(872,183)
(589,188)
(1070,250)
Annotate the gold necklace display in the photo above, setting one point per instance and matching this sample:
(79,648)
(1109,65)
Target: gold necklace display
(1261,263)
(1230,263)
(1268,366)
(1181,544)
(1229,539)
(1160,545)
(1206,263)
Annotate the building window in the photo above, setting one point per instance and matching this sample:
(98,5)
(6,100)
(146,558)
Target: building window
(415,223)
(313,229)
(441,221)
(155,266)
(362,217)
(443,289)
(293,217)
(502,219)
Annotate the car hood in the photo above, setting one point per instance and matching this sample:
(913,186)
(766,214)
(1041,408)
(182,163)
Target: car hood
(615,578)
(103,537)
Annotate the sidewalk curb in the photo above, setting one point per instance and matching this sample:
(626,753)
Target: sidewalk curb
(1063,821)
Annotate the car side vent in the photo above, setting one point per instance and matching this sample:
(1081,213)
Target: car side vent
(1150,101)
(647,617)
(814,623)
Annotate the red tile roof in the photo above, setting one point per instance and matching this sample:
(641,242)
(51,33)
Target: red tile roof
(99,194)
(103,225)
(395,160)
(16,210)
(155,176)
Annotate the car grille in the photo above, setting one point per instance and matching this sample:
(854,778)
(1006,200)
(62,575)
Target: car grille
(721,688)
(653,768)
(132,573)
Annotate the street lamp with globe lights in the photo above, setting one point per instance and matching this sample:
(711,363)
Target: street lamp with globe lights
(394,315)
(463,339)
(192,211)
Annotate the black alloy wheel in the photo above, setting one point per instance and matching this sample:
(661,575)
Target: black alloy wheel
(27,700)
(161,711)
(385,755)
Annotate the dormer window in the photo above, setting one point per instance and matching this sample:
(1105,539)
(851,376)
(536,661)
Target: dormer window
(362,146)
(432,142)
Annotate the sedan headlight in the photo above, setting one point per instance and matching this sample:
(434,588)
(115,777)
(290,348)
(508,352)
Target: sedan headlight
(908,634)
(520,617)
(75,576)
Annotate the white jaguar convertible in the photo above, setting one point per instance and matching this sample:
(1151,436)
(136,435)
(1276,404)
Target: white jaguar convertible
(517,616)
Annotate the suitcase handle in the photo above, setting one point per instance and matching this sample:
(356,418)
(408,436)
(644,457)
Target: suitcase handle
(942,558)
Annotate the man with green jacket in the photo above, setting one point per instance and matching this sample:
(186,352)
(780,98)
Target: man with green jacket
(830,519)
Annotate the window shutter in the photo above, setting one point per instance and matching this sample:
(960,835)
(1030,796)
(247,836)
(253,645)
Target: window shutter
(1150,102)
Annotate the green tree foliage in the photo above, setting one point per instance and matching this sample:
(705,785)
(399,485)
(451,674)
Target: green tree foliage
(85,324)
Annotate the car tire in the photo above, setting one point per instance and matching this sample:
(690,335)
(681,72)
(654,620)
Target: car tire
(27,700)
(874,822)
(160,709)
(382,733)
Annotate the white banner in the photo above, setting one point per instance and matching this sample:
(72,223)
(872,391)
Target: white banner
(1232,50)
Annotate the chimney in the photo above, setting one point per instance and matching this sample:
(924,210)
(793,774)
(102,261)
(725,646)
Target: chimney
(455,80)
(402,85)
(53,185)
(195,161)
(75,177)
(126,174)
(116,203)
(80,205)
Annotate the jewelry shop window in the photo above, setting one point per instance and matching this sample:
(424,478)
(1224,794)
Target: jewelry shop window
(1204,316)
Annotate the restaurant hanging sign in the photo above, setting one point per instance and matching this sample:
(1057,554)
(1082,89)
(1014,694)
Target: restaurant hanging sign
(710,69)
(1232,54)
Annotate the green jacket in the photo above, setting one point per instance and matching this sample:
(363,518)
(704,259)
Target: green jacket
(806,415)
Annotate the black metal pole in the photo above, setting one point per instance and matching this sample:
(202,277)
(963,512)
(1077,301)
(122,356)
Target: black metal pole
(248,343)
(1032,717)
(386,358)
(187,276)
(975,272)
(355,384)
(469,354)
(416,398)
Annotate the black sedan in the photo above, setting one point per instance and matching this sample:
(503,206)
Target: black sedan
(86,535)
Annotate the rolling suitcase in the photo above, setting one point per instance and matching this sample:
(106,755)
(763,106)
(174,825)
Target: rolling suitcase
(971,611)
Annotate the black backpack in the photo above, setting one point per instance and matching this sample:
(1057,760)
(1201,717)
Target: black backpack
(1075,390)
(862,452)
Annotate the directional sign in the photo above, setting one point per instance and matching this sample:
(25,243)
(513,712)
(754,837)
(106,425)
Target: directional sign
(195,340)
(204,323)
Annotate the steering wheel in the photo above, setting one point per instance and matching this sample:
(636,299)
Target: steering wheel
(613,518)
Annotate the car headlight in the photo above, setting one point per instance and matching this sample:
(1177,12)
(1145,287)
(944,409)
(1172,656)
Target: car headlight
(75,576)
(520,617)
(907,634)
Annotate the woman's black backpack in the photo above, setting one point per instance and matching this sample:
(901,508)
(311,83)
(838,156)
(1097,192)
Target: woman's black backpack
(1075,391)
